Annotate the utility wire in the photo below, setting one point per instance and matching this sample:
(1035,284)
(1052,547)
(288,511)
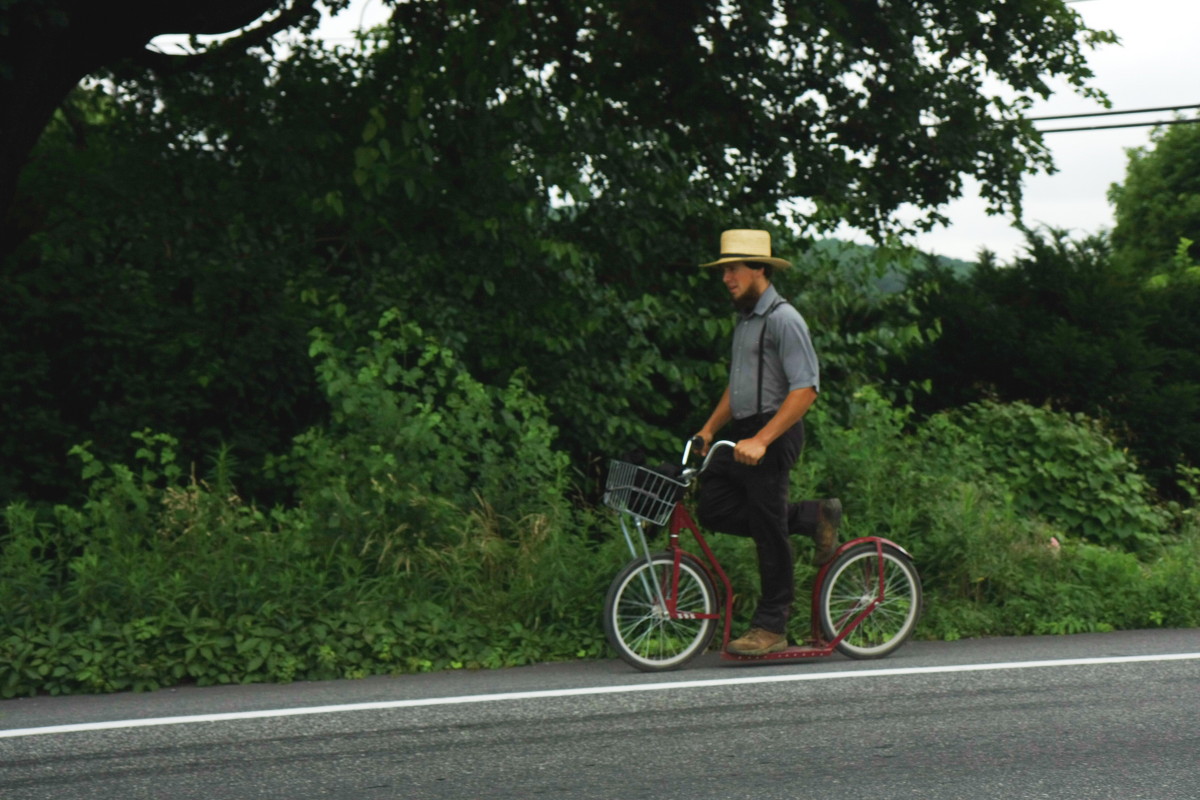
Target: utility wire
(1124,125)
(1112,113)
(1116,113)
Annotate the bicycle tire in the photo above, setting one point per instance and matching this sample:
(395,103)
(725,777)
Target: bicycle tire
(851,582)
(638,627)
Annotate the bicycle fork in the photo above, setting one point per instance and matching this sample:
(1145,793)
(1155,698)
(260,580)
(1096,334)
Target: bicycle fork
(866,604)
(663,604)
(666,599)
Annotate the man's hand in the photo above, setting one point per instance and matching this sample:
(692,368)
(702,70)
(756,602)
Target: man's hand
(749,451)
(706,439)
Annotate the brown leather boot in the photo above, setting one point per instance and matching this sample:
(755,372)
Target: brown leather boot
(758,642)
(829,517)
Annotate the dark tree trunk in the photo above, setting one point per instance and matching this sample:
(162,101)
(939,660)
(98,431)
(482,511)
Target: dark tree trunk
(53,44)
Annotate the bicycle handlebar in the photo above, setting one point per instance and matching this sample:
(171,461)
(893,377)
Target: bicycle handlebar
(698,441)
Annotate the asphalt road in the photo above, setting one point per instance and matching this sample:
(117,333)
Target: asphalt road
(1082,717)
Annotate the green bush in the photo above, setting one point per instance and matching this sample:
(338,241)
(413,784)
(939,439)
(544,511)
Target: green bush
(1064,468)
(988,527)
(431,530)
(1071,325)
(390,563)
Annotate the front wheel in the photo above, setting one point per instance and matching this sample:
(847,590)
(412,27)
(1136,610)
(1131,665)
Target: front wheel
(862,574)
(637,620)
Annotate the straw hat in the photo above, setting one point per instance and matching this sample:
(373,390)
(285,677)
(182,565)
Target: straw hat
(747,245)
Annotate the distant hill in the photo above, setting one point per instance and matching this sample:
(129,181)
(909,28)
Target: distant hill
(853,256)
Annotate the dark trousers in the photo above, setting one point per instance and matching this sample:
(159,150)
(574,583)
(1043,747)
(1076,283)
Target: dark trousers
(752,501)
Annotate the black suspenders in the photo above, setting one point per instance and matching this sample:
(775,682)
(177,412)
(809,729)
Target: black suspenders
(762,338)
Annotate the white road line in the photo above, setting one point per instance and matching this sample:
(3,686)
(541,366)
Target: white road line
(595,690)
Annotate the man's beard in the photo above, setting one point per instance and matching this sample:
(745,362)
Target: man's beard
(746,303)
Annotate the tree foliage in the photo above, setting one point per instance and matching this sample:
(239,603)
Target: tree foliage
(1158,204)
(363,310)
(49,46)
(1063,325)
(875,106)
(856,106)
(159,579)
(532,184)
(1106,326)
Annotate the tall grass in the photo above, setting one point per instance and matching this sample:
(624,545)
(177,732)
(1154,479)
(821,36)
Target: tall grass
(434,526)
(988,525)
(431,529)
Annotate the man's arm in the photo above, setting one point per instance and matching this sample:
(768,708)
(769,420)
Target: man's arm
(795,406)
(719,419)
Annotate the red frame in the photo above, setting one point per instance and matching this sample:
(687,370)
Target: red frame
(815,646)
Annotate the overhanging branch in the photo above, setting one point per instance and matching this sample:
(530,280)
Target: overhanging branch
(165,63)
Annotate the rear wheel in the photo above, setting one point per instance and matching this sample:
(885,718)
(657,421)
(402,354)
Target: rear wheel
(636,619)
(852,582)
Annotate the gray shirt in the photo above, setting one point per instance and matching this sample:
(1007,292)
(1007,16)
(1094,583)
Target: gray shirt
(789,361)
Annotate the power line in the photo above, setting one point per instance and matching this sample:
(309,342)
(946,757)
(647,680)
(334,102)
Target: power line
(1093,114)
(1113,113)
(1123,125)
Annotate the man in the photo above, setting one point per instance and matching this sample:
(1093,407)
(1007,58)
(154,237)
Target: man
(773,380)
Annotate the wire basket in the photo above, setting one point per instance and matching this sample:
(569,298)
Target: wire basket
(642,492)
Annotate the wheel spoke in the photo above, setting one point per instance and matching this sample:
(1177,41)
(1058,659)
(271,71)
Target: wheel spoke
(637,621)
(853,584)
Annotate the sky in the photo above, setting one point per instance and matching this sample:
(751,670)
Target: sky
(1153,66)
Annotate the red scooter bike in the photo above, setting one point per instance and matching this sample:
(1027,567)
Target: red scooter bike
(662,608)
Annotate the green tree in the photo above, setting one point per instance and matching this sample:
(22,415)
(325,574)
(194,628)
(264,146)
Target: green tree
(859,106)
(1063,325)
(1158,204)
(532,184)
(49,46)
